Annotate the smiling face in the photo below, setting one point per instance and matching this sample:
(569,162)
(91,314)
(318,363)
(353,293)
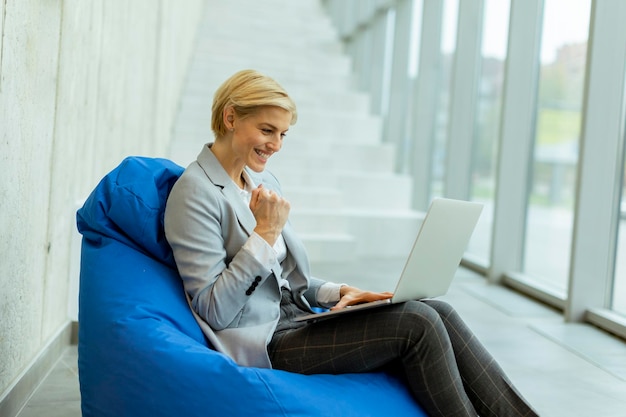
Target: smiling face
(251,140)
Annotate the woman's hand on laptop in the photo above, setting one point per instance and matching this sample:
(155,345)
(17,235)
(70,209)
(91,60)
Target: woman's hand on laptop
(351,296)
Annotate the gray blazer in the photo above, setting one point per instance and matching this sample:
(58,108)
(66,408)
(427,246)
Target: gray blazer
(234,298)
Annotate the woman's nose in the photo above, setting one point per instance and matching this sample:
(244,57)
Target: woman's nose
(275,144)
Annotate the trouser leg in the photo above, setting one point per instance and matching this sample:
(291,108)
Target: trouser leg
(490,390)
(412,332)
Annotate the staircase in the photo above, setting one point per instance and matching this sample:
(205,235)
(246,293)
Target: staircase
(347,202)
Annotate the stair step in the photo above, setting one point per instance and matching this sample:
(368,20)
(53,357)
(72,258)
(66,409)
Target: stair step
(303,179)
(338,129)
(307,100)
(376,191)
(329,247)
(366,158)
(267,20)
(319,198)
(384,233)
(285,68)
(372,158)
(308,96)
(200,81)
(319,221)
(284,164)
(282,54)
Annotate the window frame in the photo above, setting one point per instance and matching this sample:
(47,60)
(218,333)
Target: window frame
(601,166)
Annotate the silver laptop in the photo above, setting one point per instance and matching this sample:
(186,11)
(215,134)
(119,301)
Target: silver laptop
(434,258)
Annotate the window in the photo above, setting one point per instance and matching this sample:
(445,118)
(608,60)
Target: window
(618,298)
(494,44)
(618,302)
(557,132)
(448,46)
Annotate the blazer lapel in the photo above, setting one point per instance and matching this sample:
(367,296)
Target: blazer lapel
(216,174)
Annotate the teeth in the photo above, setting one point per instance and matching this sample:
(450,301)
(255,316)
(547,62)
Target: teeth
(262,154)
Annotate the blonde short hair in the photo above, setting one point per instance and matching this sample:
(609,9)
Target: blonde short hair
(246,91)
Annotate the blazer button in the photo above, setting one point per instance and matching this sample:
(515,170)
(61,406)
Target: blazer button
(248,292)
(258,279)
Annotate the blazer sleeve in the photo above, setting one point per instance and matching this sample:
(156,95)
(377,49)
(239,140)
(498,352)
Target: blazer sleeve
(207,244)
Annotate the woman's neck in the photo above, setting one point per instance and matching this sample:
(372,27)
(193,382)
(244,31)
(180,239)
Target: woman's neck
(231,165)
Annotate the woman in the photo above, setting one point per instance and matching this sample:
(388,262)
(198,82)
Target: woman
(247,275)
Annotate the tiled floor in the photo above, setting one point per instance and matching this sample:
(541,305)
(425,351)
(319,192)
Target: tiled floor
(58,395)
(571,370)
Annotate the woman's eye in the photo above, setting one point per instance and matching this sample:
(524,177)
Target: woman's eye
(266,131)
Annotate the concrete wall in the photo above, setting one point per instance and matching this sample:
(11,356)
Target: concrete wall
(82,84)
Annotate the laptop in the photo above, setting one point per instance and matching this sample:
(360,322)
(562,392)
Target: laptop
(434,258)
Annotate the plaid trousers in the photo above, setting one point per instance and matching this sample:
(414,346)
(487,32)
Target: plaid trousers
(447,369)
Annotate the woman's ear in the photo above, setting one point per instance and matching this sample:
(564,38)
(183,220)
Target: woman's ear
(229,118)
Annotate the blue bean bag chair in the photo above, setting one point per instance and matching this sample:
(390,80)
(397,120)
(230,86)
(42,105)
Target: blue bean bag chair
(140,351)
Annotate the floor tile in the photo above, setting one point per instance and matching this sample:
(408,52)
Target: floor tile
(59,409)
